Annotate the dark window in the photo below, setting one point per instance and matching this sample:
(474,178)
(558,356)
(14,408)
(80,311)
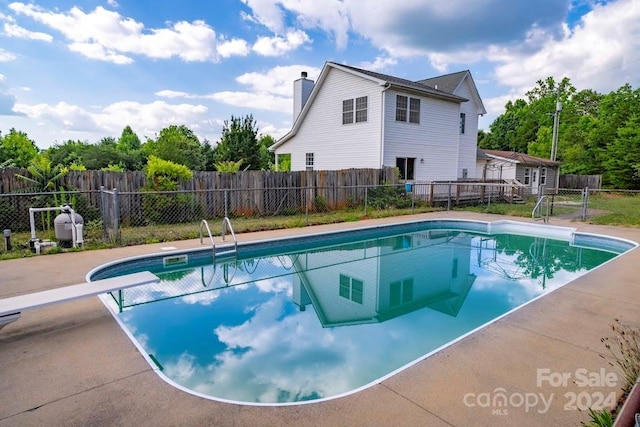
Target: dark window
(406,167)
(414,110)
(401,108)
(400,292)
(463,118)
(351,288)
(361,109)
(309,161)
(347,111)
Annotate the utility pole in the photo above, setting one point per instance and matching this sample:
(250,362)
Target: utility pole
(556,124)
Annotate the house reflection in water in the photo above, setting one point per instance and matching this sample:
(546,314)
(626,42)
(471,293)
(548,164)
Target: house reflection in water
(375,281)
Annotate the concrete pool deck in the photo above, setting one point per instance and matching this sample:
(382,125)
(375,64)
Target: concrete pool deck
(71,364)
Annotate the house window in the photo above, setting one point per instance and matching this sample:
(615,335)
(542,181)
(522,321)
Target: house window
(414,110)
(401,108)
(351,288)
(309,161)
(543,176)
(527,176)
(361,109)
(347,111)
(354,109)
(463,119)
(406,167)
(400,292)
(407,108)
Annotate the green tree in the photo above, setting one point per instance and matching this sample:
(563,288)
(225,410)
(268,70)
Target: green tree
(239,141)
(44,177)
(623,162)
(128,140)
(178,144)
(164,175)
(17,146)
(267,157)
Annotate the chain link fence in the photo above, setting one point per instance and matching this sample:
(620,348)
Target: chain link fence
(123,218)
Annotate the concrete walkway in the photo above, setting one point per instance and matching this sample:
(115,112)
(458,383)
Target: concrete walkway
(72,365)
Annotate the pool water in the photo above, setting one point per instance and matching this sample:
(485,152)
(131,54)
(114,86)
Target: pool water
(320,321)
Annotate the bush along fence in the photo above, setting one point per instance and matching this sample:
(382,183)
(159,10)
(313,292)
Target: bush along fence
(115,216)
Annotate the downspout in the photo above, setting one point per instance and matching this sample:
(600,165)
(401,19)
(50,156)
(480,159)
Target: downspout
(382,120)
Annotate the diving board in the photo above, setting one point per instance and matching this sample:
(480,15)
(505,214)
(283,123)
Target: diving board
(10,308)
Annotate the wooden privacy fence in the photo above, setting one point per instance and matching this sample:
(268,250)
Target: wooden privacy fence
(580,181)
(134,181)
(207,195)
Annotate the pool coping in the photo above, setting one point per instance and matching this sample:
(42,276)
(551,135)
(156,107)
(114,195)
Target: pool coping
(102,380)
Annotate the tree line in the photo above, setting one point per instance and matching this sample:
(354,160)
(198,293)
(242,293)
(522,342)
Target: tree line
(598,134)
(239,148)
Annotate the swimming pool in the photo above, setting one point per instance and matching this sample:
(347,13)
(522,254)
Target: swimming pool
(305,319)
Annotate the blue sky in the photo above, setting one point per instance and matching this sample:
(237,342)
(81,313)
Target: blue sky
(83,70)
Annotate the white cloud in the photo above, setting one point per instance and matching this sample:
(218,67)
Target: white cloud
(233,47)
(266,128)
(260,101)
(146,118)
(13,30)
(106,35)
(267,13)
(7,100)
(277,80)
(380,63)
(113,3)
(329,15)
(174,94)
(270,91)
(600,47)
(6,56)
(277,46)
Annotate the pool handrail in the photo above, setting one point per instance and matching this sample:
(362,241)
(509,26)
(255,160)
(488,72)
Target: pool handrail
(213,243)
(538,208)
(226,226)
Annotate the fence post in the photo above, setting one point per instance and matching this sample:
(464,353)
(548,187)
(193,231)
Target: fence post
(431,191)
(103,214)
(116,217)
(449,198)
(585,204)
(226,203)
(413,197)
(306,205)
(366,199)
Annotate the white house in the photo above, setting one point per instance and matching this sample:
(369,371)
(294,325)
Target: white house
(524,170)
(360,283)
(354,118)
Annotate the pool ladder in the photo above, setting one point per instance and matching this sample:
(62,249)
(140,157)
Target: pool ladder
(226,228)
(538,213)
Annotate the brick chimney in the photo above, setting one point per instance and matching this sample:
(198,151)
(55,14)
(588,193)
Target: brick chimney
(301,90)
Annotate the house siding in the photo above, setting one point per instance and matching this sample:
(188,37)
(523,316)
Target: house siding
(467,140)
(435,139)
(334,145)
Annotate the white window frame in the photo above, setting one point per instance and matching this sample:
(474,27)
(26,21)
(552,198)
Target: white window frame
(351,288)
(543,176)
(355,110)
(309,161)
(361,109)
(348,111)
(414,110)
(527,176)
(407,109)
